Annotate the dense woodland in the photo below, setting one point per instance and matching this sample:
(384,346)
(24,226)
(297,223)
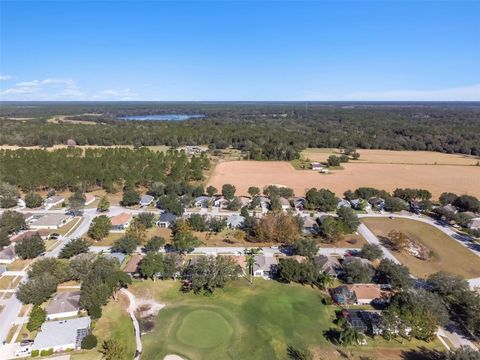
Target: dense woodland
(275,131)
(105,167)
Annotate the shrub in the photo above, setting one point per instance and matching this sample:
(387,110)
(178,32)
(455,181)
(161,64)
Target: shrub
(89,342)
(35,353)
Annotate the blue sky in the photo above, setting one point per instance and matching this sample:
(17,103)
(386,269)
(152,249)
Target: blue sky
(134,50)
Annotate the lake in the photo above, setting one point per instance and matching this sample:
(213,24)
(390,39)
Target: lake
(164,117)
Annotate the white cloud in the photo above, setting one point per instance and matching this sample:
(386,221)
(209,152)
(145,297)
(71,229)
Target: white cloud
(5,77)
(466,93)
(47,89)
(121,94)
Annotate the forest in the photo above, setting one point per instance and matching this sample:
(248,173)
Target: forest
(73,168)
(265,131)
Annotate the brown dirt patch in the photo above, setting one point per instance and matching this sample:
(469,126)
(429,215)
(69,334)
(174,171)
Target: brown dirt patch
(437,179)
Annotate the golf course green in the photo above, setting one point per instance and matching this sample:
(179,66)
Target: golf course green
(213,327)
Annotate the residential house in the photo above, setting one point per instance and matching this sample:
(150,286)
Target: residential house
(89,199)
(264,203)
(265,266)
(310,225)
(242,261)
(202,201)
(329,264)
(244,200)
(377,203)
(121,221)
(360,204)
(348,259)
(284,203)
(221,202)
(166,220)
(146,200)
(7,255)
(235,221)
(63,305)
(474,223)
(3,268)
(360,294)
(315,165)
(50,221)
(132,265)
(119,256)
(343,203)
(365,321)
(44,234)
(62,335)
(299,203)
(53,201)
(450,208)
(324,171)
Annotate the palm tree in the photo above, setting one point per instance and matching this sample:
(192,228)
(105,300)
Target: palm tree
(324,280)
(250,259)
(350,336)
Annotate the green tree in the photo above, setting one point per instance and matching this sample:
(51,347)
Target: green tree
(147,219)
(331,229)
(198,222)
(151,265)
(299,353)
(74,247)
(250,260)
(253,191)
(154,244)
(356,272)
(228,191)
(323,199)
(100,227)
(371,251)
(306,247)
(217,225)
(12,221)
(395,204)
(185,241)
(117,280)
(8,195)
(33,200)
(36,319)
(349,218)
(30,247)
(89,342)
(350,336)
(76,203)
(397,275)
(333,160)
(130,198)
(113,349)
(211,190)
(126,245)
(38,290)
(4,238)
(103,204)
(235,204)
(447,198)
(463,353)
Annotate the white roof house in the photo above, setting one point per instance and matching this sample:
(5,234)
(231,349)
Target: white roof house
(234,221)
(315,165)
(50,221)
(62,335)
(285,203)
(474,223)
(146,200)
(63,305)
(53,201)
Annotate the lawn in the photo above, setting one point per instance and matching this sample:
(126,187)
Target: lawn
(243,322)
(70,226)
(9,282)
(114,323)
(448,255)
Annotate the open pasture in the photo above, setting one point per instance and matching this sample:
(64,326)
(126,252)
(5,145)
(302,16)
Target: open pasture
(447,254)
(437,179)
(372,156)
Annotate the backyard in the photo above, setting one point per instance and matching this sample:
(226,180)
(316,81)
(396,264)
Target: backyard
(447,254)
(244,322)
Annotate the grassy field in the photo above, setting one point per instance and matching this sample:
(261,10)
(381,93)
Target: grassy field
(62,146)
(114,323)
(395,157)
(448,255)
(437,179)
(244,322)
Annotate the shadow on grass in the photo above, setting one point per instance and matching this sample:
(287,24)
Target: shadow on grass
(422,354)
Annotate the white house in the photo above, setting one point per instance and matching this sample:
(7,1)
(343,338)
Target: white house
(62,335)
(202,201)
(221,202)
(146,200)
(234,221)
(50,221)
(316,165)
(285,203)
(63,305)
(53,201)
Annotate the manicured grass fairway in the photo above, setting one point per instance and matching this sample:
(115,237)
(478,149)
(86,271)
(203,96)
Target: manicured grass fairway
(241,322)
(238,322)
(448,254)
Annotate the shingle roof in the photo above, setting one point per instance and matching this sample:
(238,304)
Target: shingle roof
(264,263)
(58,333)
(121,218)
(64,302)
(8,253)
(50,220)
(146,199)
(167,217)
(366,291)
(132,264)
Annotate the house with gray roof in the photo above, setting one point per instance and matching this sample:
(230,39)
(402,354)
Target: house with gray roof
(328,264)
(284,203)
(62,335)
(146,200)
(264,266)
(50,221)
(7,255)
(63,305)
(119,256)
(53,201)
(202,201)
(166,220)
